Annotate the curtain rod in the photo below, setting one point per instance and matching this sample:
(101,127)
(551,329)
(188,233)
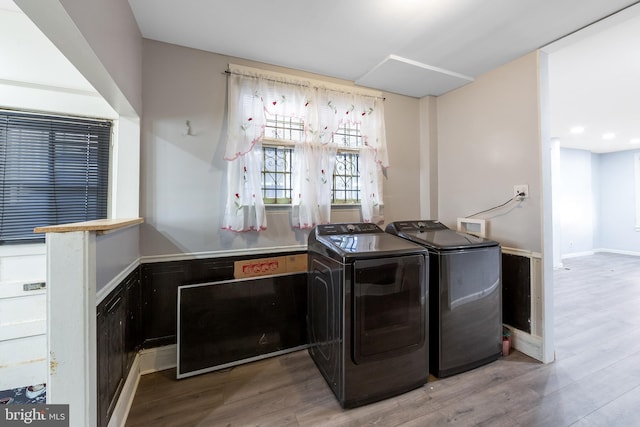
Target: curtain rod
(228,73)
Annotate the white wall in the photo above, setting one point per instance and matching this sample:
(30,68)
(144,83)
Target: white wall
(183,177)
(22,316)
(576,202)
(617,203)
(596,203)
(488,141)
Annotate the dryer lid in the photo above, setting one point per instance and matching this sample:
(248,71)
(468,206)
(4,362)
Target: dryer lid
(436,235)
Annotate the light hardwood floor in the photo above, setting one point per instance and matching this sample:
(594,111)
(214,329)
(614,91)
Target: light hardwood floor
(595,380)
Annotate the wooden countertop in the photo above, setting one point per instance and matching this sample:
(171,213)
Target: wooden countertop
(99,225)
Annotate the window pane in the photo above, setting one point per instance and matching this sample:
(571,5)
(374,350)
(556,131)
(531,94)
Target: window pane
(276,175)
(348,135)
(346,184)
(284,128)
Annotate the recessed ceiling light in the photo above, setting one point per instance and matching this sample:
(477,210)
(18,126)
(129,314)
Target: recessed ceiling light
(576,129)
(635,141)
(608,135)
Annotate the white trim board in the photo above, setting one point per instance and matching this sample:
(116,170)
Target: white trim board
(128,393)
(104,291)
(221,254)
(531,344)
(146,362)
(600,251)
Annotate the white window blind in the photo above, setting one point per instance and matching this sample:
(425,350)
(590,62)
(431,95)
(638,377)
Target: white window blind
(53,170)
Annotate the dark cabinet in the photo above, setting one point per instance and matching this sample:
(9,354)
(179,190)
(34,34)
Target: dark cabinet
(159,302)
(117,326)
(132,327)
(103,367)
(160,289)
(114,323)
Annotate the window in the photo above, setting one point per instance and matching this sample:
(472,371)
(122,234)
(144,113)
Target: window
(322,144)
(53,170)
(277,152)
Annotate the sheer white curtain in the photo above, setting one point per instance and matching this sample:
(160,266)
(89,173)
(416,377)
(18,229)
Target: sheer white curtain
(244,210)
(253,95)
(311,184)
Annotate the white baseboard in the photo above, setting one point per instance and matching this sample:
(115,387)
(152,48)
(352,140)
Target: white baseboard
(616,251)
(528,344)
(146,362)
(158,359)
(128,393)
(221,254)
(577,254)
(599,251)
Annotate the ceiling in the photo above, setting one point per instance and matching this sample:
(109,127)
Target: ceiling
(594,85)
(426,47)
(409,47)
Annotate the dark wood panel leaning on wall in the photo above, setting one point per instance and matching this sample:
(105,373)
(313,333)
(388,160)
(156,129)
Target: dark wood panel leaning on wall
(223,324)
(516,291)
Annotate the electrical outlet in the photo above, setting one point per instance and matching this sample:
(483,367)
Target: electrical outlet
(519,189)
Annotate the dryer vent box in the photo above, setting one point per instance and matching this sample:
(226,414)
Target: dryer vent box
(477,227)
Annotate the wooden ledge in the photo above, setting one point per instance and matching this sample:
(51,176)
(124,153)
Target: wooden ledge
(99,225)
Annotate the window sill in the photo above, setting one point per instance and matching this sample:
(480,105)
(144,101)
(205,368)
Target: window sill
(336,206)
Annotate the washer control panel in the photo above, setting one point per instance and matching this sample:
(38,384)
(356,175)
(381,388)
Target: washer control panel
(348,228)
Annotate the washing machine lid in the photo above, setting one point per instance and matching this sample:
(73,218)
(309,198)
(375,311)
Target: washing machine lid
(362,240)
(435,235)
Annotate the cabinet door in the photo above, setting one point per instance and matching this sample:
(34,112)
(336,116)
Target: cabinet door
(159,302)
(132,321)
(115,315)
(103,366)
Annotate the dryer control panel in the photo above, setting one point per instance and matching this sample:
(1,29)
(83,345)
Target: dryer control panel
(420,225)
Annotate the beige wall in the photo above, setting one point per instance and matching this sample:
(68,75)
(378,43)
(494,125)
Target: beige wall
(402,190)
(488,141)
(183,177)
